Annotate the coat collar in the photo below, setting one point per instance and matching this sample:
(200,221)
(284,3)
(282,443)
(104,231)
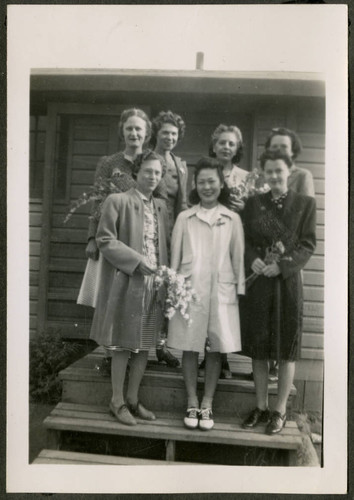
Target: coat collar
(222,211)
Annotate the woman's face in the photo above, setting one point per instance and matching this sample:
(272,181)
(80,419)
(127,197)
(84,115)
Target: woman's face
(208,186)
(226,146)
(149,176)
(276,173)
(134,132)
(167,137)
(281,143)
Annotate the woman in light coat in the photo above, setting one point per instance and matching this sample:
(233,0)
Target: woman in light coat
(132,236)
(207,247)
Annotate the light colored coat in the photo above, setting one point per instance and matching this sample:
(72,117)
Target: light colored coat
(212,256)
(117,319)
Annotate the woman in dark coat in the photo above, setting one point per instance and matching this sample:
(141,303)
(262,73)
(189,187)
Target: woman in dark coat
(280,238)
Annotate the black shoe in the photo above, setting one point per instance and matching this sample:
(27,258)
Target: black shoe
(273,374)
(276,423)
(256,417)
(225,370)
(163,355)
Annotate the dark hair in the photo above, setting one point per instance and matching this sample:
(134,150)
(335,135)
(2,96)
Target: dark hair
(220,129)
(147,154)
(127,113)
(296,145)
(209,163)
(275,155)
(166,117)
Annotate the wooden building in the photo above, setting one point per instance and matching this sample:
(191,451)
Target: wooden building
(74,119)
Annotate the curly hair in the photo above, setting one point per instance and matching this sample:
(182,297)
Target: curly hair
(220,129)
(166,117)
(147,154)
(296,145)
(273,156)
(127,113)
(209,163)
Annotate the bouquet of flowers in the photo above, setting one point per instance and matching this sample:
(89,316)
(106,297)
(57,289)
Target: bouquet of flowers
(103,186)
(248,187)
(273,254)
(180,293)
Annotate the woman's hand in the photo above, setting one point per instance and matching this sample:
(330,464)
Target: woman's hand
(145,268)
(236,205)
(257,266)
(271,270)
(92,249)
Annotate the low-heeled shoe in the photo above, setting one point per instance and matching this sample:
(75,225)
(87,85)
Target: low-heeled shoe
(122,414)
(191,418)
(140,411)
(206,421)
(256,417)
(276,423)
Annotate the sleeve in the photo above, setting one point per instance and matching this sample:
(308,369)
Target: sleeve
(120,255)
(102,170)
(237,254)
(183,187)
(305,243)
(177,242)
(251,252)
(306,186)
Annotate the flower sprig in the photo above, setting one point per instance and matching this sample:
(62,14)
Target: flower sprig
(247,187)
(179,292)
(273,253)
(103,186)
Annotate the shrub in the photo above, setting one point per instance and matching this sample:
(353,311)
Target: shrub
(49,354)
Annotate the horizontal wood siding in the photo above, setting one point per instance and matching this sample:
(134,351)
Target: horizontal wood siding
(309,122)
(35,220)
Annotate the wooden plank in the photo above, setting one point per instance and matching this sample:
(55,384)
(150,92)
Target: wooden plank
(68,265)
(65,279)
(70,457)
(35,233)
(96,148)
(319,186)
(86,162)
(69,235)
(91,132)
(170,450)
(314,309)
(35,248)
(313,293)
(34,263)
(309,370)
(313,277)
(317,169)
(174,430)
(313,396)
(312,155)
(316,263)
(82,177)
(309,353)
(78,220)
(312,340)
(74,250)
(313,324)
(35,219)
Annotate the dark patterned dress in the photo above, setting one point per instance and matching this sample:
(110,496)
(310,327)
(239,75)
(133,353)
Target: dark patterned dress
(271,312)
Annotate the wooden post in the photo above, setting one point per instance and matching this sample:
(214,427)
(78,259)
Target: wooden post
(170,450)
(54,439)
(200,60)
(48,192)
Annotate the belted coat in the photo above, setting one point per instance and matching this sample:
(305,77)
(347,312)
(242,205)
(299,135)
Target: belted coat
(117,318)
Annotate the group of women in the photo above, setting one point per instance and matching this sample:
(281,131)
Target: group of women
(219,242)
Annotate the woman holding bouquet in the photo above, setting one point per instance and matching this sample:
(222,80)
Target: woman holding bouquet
(207,247)
(132,236)
(280,238)
(227,147)
(134,129)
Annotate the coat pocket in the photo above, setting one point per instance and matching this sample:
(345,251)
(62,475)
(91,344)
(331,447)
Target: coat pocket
(227,288)
(185,267)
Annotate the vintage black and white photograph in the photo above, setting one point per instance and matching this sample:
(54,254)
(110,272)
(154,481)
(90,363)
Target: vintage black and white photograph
(183,181)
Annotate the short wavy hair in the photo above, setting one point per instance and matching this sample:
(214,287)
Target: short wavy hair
(166,117)
(209,163)
(220,129)
(296,145)
(127,113)
(147,154)
(273,156)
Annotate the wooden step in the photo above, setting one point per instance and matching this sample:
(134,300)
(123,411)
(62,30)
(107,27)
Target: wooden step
(162,388)
(72,457)
(168,427)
